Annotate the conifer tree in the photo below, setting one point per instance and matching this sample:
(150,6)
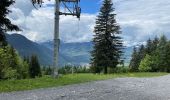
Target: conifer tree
(149,46)
(5,23)
(48,71)
(154,44)
(3,41)
(167,67)
(141,53)
(134,60)
(137,57)
(107,42)
(34,67)
(162,53)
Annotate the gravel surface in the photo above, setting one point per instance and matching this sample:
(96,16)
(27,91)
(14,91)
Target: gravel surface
(157,88)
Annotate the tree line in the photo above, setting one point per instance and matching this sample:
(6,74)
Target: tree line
(153,57)
(12,66)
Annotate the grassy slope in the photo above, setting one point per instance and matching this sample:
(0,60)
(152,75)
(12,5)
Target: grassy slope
(44,82)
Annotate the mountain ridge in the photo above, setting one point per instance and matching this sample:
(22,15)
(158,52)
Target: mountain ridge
(70,53)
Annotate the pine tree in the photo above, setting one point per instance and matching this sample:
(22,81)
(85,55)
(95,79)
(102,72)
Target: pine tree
(141,53)
(3,41)
(167,50)
(149,47)
(107,42)
(134,60)
(5,23)
(137,57)
(48,71)
(162,53)
(34,69)
(155,44)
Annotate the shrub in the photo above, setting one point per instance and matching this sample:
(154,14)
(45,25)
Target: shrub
(119,70)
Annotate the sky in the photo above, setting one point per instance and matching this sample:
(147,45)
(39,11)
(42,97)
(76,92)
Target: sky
(138,19)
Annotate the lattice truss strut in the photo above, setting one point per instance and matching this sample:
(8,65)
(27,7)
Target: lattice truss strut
(68,7)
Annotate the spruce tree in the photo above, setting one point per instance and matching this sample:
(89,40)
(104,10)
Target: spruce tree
(167,50)
(162,53)
(155,44)
(134,60)
(141,53)
(149,47)
(107,42)
(34,67)
(5,23)
(3,41)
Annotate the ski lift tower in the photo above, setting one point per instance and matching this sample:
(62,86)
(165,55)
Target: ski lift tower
(71,7)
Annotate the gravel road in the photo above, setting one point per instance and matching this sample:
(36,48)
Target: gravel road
(157,88)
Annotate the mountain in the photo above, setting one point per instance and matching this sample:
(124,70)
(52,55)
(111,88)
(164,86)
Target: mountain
(26,48)
(75,53)
(70,53)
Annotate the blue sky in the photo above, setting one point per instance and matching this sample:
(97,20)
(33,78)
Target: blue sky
(138,19)
(90,6)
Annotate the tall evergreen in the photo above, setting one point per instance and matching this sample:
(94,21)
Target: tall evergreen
(5,23)
(34,67)
(155,44)
(167,50)
(141,53)
(3,41)
(134,60)
(107,42)
(149,46)
(162,52)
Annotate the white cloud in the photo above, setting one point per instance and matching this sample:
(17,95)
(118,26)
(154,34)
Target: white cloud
(73,30)
(139,20)
(38,25)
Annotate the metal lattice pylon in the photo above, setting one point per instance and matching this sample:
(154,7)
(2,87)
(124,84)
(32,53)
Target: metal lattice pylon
(75,10)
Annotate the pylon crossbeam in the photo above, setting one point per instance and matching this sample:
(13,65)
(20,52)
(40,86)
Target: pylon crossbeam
(70,0)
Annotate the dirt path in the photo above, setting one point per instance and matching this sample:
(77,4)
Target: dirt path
(157,88)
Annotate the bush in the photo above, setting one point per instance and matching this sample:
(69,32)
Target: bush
(74,69)
(11,65)
(119,70)
(10,73)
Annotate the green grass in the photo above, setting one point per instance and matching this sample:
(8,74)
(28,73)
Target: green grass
(46,81)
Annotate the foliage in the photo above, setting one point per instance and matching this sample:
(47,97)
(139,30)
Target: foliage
(5,23)
(119,69)
(47,70)
(34,67)
(74,69)
(10,73)
(107,42)
(11,65)
(152,57)
(146,63)
(133,63)
(3,41)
